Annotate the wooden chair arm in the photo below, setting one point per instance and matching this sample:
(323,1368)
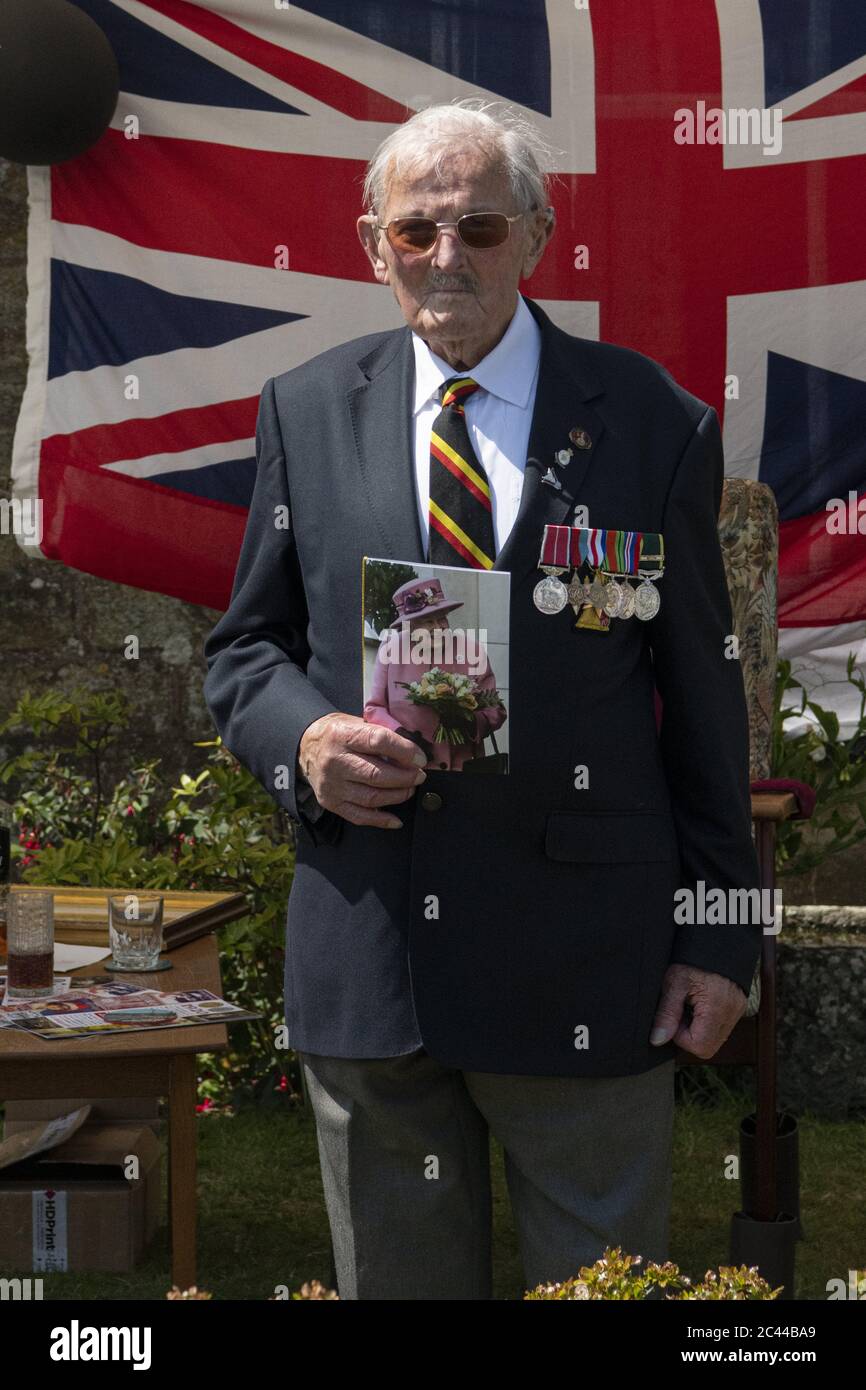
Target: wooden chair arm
(776,806)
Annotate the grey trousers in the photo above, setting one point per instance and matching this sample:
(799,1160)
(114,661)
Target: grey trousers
(404,1149)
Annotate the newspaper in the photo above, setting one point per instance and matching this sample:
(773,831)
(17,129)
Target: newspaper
(81,1012)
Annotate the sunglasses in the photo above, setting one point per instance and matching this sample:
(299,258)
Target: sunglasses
(478,230)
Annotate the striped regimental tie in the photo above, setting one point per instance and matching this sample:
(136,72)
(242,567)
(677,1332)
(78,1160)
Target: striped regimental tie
(461,517)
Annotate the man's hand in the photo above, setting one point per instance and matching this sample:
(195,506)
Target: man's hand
(353,767)
(419,740)
(716,1003)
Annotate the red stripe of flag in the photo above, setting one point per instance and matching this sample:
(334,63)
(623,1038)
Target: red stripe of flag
(324,83)
(171,433)
(822,577)
(264,199)
(135,532)
(849,100)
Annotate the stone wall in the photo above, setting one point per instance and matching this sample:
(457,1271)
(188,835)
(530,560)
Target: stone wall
(821,1017)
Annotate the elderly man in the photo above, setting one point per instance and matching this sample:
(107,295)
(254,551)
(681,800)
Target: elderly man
(503,955)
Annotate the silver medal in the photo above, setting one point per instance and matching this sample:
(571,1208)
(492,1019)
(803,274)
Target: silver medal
(550,595)
(598,593)
(646,601)
(613,599)
(626,602)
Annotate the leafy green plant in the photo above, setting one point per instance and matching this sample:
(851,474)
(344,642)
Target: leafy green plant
(380,581)
(81,727)
(619,1276)
(835,767)
(215,830)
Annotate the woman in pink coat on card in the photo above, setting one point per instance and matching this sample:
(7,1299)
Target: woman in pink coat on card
(421,604)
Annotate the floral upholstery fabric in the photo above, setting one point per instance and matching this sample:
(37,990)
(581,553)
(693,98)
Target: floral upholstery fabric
(749,534)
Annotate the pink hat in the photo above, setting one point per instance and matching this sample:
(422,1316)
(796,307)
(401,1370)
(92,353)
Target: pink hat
(420,597)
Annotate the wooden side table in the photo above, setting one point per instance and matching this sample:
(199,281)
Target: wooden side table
(156,1064)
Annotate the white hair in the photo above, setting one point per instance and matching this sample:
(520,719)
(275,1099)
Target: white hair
(510,139)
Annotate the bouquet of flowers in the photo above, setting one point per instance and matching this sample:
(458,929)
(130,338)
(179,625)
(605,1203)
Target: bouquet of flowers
(455,698)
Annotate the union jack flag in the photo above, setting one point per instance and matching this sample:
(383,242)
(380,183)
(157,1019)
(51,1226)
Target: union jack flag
(207,242)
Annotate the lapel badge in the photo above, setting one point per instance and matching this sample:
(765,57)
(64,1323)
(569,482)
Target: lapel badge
(551,479)
(563,457)
(580,438)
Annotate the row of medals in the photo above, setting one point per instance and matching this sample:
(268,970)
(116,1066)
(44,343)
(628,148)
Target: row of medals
(618,600)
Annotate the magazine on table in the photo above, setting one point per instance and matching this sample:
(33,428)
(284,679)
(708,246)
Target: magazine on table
(435,660)
(93,1009)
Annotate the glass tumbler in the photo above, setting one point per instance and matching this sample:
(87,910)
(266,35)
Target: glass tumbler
(135,929)
(30,945)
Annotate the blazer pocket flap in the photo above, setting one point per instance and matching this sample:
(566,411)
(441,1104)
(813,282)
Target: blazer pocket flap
(609,837)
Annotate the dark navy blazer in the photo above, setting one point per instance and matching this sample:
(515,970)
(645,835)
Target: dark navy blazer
(555,905)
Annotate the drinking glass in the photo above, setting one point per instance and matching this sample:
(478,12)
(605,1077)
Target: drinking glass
(30,945)
(135,929)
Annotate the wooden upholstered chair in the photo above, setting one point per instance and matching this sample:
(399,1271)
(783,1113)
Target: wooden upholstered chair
(749,530)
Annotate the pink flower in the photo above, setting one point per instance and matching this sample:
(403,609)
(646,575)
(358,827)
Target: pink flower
(130,810)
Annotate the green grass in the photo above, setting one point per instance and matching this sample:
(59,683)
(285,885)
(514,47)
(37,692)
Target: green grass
(262,1221)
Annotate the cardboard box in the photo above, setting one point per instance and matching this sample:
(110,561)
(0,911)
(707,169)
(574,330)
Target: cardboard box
(65,1202)
(113,1110)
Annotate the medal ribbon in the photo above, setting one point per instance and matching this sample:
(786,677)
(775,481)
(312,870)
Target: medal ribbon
(652,548)
(580,534)
(616,552)
(556,547)
(622,551)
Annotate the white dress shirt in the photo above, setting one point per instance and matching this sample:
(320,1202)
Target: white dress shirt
(498,416)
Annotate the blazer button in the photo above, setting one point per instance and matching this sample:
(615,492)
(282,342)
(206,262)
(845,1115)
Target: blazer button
(431,801)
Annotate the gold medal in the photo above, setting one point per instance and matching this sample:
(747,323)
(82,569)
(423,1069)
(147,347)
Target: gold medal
(592,620)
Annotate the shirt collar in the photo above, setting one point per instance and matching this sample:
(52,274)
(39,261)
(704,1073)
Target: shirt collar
(508,370)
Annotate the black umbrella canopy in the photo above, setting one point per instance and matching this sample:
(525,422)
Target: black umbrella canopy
(59,81)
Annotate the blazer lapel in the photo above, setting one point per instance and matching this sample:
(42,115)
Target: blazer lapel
(565,384)
(383,428)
